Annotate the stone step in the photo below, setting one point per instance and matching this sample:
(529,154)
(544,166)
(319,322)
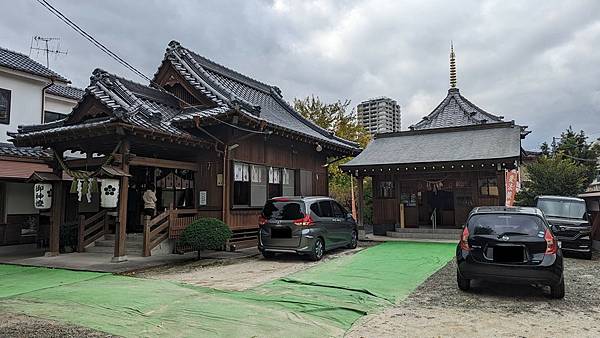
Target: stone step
(424,235)
(130,237)
(428,231)
(110,250)
(111,243)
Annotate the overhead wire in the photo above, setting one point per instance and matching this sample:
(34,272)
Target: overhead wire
(127,65)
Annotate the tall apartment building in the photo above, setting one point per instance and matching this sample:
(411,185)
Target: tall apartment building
(379,115)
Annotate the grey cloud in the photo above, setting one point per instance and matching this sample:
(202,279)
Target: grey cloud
(533,61)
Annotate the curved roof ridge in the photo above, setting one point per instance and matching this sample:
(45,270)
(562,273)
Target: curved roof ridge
(223,70)
(466,107)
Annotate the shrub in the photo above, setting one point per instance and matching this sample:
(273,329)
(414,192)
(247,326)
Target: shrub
(205,234)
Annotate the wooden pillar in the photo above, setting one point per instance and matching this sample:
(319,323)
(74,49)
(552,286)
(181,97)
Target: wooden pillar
(56,218)
(226,185)
(361,207)
(120,253)
(146,249)
(57,211)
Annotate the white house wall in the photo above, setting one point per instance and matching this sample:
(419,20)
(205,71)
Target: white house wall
(58,104)
(26,101)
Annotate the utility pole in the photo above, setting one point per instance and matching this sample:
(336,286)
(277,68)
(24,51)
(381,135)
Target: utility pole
(45,47)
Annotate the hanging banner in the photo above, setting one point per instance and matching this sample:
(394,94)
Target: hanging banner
(42,195)
(109,193)
(511,179)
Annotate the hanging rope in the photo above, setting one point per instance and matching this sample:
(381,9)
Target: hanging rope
(85,182)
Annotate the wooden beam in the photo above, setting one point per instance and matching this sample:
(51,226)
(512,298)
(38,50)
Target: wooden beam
(160,163)
(120,253)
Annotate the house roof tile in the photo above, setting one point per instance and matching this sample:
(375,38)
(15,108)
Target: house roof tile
(69,92)
(469,143)
(21,62)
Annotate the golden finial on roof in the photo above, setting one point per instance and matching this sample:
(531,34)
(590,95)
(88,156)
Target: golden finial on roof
(452,66)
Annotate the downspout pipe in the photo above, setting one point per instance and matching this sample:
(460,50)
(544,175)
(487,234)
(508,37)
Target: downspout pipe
(44,99)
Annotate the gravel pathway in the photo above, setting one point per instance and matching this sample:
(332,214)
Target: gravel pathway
(13,325)
(439,309)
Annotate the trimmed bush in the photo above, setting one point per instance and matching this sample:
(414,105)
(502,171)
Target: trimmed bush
(205,234)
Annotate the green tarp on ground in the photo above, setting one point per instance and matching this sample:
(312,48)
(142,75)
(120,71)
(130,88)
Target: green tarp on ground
(322,301)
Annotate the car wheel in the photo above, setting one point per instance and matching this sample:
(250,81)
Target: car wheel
(268,254)
(463,283)
(558,291)
(318,250)
(353,241)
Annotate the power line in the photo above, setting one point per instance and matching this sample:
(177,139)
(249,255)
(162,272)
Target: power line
(126,64)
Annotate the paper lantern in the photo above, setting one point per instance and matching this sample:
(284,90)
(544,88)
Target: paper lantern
(42,195)
(109,192)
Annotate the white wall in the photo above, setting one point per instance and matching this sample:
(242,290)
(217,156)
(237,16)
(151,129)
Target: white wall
(59,104)
(26,101)
(19,199)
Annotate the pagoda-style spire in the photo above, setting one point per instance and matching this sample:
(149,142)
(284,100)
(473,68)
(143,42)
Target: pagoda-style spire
(452,67)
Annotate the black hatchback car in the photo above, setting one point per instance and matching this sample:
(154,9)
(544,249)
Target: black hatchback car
(512,245)
(569,222)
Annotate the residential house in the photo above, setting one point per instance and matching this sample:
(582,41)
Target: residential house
(29,94)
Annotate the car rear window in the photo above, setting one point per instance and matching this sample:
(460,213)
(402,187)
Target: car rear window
(562,208)
(506,224)
(283,210)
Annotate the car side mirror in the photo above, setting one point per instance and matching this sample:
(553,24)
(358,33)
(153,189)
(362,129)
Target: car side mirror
(349,216)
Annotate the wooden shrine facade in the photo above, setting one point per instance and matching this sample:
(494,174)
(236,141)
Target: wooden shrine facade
(214,142)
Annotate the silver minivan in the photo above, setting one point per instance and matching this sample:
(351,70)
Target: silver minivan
(305,225)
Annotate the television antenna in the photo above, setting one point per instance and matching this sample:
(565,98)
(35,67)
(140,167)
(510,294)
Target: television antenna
(42,44)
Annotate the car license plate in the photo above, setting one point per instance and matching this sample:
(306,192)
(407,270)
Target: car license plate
(559,244)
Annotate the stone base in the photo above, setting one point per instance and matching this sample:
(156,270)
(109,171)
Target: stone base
(50,254)
(119,259)
(362,235)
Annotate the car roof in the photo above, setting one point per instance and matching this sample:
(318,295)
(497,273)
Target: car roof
(507,210)
(303,198)
(567,198)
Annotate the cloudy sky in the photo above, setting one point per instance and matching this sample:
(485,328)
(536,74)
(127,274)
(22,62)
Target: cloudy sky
(536,62)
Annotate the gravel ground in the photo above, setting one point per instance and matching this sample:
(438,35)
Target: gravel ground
(241,274)
(438,308)
(13,325)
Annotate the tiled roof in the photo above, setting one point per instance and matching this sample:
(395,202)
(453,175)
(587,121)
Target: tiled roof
(258,100)
(22,62)
(469,143)
(69,92)
(9,150)
(129,102)
(454,111)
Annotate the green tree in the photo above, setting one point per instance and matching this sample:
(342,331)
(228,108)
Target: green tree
(574,146)
(566,168)
(335,118)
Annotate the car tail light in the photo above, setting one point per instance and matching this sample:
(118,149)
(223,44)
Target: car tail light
(304,221)
(551,244)
(464,240)
(262,220)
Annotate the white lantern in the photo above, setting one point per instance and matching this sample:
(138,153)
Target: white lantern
(42,195)
(109,192)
